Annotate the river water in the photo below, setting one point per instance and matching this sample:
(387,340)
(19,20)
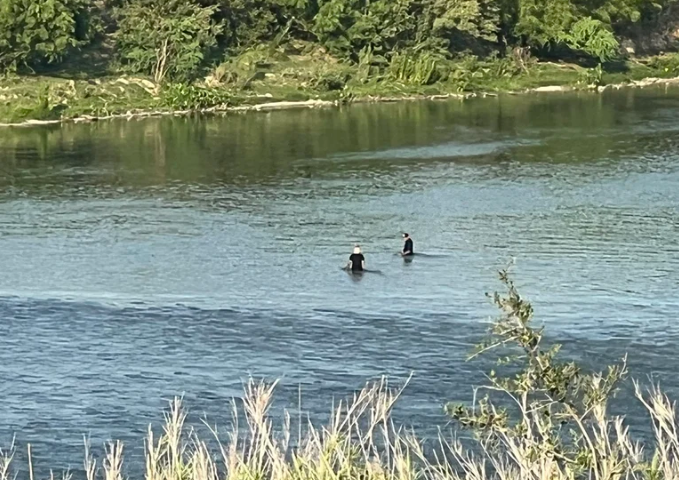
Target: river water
(146,259)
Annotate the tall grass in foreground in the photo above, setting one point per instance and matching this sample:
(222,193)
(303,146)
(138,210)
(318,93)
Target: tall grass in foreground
(558,428)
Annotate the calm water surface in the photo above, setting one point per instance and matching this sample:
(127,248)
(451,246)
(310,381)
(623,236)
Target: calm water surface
(146,259)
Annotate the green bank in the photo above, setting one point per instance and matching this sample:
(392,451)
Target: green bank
(64,59)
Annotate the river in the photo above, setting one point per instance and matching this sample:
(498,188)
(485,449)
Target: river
(149,258)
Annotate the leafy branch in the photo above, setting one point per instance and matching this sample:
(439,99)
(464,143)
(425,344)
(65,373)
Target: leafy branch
(546,408)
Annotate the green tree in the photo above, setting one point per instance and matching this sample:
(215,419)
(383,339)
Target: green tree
(250,22)
(477,18)
(40,31)
(545,24)
(407,39)
(168,39)
(349,27)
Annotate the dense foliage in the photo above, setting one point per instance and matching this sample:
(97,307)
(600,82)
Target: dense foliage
(36,31)
(174,39)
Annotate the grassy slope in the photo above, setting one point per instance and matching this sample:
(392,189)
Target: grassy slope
(89,85)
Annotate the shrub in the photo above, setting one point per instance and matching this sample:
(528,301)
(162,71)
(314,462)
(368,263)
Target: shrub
(330,81)
(465,71)
(419,68)
(181,96)
(560,428)
(591,77)
(594,38)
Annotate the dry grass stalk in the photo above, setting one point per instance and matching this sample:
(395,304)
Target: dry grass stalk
(361,443)
(90,464)
(6,457)
(113,463)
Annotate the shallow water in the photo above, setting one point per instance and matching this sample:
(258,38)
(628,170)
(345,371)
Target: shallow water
(153,258)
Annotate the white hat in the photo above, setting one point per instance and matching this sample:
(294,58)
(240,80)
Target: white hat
(357,249)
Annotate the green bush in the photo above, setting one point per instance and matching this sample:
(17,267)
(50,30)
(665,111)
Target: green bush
(40,31)
(591,77)
(465,71)
(419,68)
(179,96)
(168,39)
(330,81)
(594,38)
(547,24)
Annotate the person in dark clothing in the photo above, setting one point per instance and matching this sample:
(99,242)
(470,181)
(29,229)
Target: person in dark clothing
(408,246)
(356,260)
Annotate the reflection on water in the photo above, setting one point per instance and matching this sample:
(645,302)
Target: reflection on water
(149,258)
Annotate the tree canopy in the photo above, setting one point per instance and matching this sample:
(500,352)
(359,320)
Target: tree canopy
(175,38)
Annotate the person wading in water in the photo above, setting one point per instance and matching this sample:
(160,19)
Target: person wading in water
(356,260)
(408,246)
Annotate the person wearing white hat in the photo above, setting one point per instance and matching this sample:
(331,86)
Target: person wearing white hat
(408,246)
(356,260)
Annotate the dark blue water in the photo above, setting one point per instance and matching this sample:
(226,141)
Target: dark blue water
(142,260)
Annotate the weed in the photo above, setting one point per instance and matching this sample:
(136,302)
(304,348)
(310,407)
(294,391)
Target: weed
(180,96)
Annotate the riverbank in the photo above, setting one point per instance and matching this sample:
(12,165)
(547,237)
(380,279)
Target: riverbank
(73,96)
